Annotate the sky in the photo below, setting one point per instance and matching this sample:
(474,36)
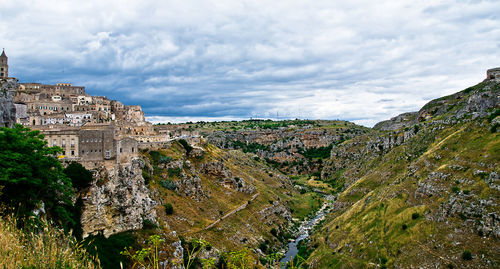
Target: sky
(187,60)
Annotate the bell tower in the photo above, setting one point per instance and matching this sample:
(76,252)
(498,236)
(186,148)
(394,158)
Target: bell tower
(4,67)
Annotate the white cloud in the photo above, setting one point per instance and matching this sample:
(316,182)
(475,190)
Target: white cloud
(238,59)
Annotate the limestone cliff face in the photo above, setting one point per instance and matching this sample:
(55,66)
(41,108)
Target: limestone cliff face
(288,147)
(118,201)
(8,88)
(432,174)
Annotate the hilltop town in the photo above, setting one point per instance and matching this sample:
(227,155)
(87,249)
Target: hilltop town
(92,130)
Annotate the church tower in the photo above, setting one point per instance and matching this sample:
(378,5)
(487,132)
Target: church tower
(4,67)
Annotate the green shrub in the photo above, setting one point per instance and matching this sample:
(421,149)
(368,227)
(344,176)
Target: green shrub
(467,255)
(320,152)
(168,184)
(494,127)
(174,171)
(155,156)
(146,176)
(186,146)
(415,216)
(169,209)
(148,224)
(80,177)
(264,246)
(165,159)
(493,115)
(274,232)
(108,249)
(404,227)
(30,175)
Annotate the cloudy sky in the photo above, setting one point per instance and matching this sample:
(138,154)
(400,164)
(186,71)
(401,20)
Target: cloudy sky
(362,61)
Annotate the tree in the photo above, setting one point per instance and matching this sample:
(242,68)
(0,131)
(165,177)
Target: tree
(31,177)
(80,177)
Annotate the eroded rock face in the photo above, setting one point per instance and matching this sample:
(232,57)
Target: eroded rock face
(477,215)
(191,187)
(398,122)
(269,214)
(225,177)
(118,201)
(8,88)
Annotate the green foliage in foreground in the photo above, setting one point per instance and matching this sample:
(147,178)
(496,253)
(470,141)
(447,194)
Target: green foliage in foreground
(108,249)
(149,257)
(32,178)
(48,247)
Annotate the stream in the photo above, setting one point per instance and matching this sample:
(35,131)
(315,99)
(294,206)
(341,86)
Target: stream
(304,230)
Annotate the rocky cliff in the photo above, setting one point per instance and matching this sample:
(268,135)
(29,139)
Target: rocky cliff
(420,192)
(295,147)
(117,201)
(8,88)
(226,197)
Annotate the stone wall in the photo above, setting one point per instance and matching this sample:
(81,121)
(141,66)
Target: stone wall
(8,88)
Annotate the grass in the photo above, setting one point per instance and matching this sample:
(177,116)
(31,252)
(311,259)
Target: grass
(386,224)
(190,216)
(48,248)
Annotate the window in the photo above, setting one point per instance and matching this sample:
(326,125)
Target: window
(108,154)
(83,151)
(72,153)
(120,150)
(132,149)
(72,142)
(63,143)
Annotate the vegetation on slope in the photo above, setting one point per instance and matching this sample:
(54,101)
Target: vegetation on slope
(35,187)
(48,247)
(418,197)
(31,178)
(225,197)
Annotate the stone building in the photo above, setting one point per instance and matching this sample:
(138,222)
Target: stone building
(22,116)
(4,66)
(493,74)
(64,137)
(97,142)
(126,149)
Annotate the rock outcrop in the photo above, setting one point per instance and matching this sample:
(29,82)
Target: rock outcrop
(398,122)
(294,149)
(8,88)
(117,201)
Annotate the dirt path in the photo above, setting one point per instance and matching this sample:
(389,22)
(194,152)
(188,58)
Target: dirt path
(241,207)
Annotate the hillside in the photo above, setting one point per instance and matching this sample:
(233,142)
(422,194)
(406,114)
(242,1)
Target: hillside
(295,147)
(226,197)
(422,191)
